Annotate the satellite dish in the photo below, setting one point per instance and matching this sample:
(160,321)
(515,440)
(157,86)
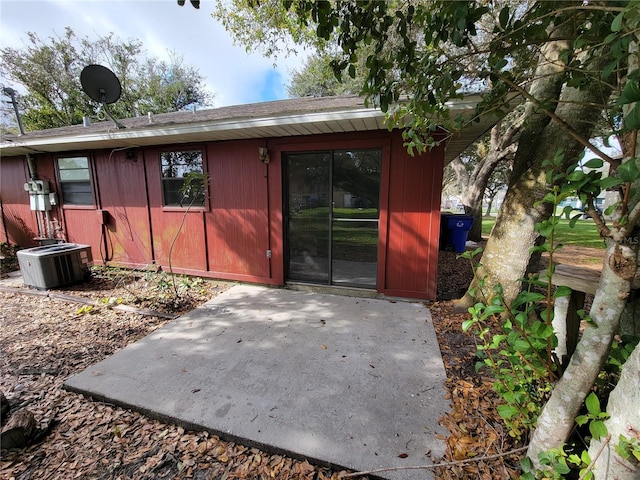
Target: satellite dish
(102,85)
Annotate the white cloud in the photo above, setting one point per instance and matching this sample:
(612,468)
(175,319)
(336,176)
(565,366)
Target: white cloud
(233,75)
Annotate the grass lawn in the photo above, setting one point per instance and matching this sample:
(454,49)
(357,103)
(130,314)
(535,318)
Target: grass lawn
(353,240)
(583,234)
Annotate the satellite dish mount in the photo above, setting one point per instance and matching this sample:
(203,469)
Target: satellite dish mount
(101,85)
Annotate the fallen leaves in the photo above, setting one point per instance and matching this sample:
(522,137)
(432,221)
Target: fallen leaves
(476,429)
(44,341)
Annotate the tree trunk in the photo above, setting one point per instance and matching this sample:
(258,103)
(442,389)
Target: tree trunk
(609,465)
(20,430)
(630,320)
(472,185)
(475,234)
(557,419)
(490,205)
(507,257)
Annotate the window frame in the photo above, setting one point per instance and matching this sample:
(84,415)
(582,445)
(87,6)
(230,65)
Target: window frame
(64,202)
(204,206)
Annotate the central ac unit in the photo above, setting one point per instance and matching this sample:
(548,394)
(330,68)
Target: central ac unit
(56,265)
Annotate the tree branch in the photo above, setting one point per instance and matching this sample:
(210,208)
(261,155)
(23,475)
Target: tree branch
(593,460)
(603,230)
(570,130)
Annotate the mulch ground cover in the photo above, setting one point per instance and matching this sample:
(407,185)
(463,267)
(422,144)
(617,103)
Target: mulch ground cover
(46,339)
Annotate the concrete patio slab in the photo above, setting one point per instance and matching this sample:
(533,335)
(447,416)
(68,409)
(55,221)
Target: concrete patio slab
(349,382)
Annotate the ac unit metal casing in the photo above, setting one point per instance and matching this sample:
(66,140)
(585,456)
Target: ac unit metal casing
(55,265)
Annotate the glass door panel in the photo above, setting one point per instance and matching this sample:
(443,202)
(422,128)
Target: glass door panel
(332,216)
(308,222)
(355,214)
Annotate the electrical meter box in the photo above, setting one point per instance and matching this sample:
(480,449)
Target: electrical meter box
(52,266)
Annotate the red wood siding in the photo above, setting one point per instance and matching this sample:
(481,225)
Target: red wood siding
(170,224)
(187,231)
(121,184)
(237,224)
(242,218)
(79,224)
(20,221)
(18,225)
(413,222)
(276,218)
(82,227)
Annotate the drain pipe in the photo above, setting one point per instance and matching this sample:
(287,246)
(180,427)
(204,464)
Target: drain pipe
(31,167)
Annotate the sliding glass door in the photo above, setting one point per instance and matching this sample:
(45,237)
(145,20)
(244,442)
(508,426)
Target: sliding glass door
(308,212)
(332,208)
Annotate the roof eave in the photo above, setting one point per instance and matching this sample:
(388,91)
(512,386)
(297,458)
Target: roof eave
(349,119)
(212,130)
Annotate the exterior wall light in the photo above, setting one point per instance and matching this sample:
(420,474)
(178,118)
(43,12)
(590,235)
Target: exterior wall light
(263,155)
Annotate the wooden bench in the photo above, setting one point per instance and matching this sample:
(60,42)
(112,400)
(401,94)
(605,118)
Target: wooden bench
(566,322)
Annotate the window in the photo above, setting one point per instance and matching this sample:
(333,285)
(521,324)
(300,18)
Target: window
(182,178)
(75,181)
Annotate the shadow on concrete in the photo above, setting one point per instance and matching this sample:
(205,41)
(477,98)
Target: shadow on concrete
(349,382)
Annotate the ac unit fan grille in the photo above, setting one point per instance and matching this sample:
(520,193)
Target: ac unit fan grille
(64,269)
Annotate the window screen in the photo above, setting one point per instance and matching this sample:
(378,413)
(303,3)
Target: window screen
(75,181)
(176,168)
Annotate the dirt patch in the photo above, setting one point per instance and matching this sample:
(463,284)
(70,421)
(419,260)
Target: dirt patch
(454,275)
(580,256)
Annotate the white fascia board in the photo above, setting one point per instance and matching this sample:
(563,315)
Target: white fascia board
(244,124)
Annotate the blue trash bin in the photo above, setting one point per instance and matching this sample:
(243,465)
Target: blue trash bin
(456,229)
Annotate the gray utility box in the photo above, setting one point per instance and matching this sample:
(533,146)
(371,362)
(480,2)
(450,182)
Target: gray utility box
(52,266)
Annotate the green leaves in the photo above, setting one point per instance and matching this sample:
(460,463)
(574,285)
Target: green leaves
(610,182)
(597,429)
(593,404)
(562,291)
(616,25)
(632,118)
(194,188)
(595,416)
(85,309)
(630,98)
(514,346)
(630,93)
(628,171)
(507,411)
(628,448)
(503,18)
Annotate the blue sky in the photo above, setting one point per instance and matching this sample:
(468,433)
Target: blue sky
(233,75)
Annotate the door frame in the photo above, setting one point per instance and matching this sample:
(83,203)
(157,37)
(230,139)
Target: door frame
(377,139)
